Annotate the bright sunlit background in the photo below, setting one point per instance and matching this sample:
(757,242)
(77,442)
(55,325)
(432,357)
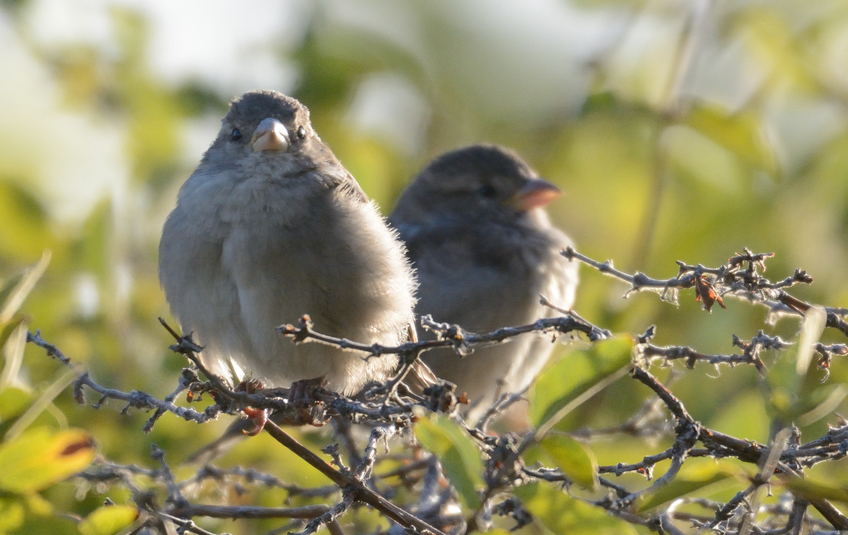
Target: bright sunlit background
(678,129)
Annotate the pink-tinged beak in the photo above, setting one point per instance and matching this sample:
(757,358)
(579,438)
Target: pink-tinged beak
(535,193)
(270,134)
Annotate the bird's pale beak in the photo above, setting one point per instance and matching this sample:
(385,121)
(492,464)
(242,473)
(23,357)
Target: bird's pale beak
(270,134)
(536,192)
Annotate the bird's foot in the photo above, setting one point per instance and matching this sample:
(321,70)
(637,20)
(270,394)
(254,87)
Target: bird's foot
(304,392)
(256,417)
(303,396)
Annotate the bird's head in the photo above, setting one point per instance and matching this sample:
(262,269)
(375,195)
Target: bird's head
(265,127)
(479,182)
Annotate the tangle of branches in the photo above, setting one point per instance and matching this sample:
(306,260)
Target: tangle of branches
(428,492)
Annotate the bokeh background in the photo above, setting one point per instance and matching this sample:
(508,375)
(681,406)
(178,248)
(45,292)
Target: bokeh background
(678,129)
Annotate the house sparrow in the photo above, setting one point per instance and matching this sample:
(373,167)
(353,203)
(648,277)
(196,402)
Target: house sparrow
(270,226)
(485,250)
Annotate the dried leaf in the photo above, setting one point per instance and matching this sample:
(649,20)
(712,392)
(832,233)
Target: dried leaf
(705,293)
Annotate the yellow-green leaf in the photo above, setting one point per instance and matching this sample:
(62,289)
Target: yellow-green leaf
(695,475)
(456,451)
(13,401)
(15,298)
(36,504)
(108,520)
(794,387)
(11,514)
(6,330)
(815,490)
(13,353)
(576,378)
(574,459)
(559,513)
(739,132)
(26,231)
(41,457)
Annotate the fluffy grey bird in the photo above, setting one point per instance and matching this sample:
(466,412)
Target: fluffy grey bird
(271,226)
(484,250)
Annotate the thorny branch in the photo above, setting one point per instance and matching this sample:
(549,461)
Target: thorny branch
(750,351)
(391,411)
(740,277)
(448,336)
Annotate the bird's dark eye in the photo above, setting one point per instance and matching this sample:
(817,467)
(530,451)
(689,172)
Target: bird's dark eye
(301,132)
(235,135)
(486,191)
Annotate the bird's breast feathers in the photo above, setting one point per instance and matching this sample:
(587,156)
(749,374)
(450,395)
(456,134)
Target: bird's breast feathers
(333,260)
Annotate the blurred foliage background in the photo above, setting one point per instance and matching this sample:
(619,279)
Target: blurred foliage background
(678,129)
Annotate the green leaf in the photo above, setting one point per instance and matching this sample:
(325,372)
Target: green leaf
(771,41)
(37,505)
(13,343)
(574,459)
(576,378)
(13,401)
(11,514)
(601,102)
(41,457)
(742,414)
(456,451)
(739,132)
(15,298)
(816,490)
(793,386)
(695,475)
(7,330)
(25,221)
(108,520)
(559,513)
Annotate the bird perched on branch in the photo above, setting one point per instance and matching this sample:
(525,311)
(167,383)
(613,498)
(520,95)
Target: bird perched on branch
(484,251)
(270,226)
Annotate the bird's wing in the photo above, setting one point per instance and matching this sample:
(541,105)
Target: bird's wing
(463,279)
(334,175)
(351,188)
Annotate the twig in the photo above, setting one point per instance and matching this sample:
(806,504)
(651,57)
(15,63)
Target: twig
(449,336)
(740,277)
(359,491)
(190,510)
(750,351)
